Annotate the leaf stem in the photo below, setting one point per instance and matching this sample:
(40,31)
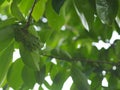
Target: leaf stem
(30,15)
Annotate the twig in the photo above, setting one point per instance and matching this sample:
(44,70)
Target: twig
(82,60)
(30,14)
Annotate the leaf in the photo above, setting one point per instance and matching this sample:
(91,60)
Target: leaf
(112,82)
(96,81)
(44,33)
(82,52)
(79,79)
(16,1)
(28,76)
(107,10)
(7,22)
(40,75)
(6,36)
(57,4)
(5,60)
(69,13)
(54,20)
(38,10)
(85,12)
(1,2)
(46,84)
(16,12)
(25,6)
(104,31)
(117,47)
(31,59)
(118,9)
(60,53)
(59,80)
(73,87)
(94,53)
(14,74)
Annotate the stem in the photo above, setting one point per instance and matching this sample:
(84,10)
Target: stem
(82,60)
(30,15)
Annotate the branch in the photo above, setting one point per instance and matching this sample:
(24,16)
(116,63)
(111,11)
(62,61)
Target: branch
(82,60)
(30,15)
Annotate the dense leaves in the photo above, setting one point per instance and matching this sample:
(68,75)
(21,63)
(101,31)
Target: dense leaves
(5,59)
(107,10)
(57,4)
(79,79)
(60,39)
(14,75)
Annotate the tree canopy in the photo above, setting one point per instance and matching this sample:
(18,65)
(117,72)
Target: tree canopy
(57,38)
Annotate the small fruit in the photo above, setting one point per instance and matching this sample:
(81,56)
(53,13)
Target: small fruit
(29,41)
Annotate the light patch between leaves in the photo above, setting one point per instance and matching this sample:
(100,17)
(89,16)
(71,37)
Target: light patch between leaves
(104,82)
(44,46)
(44,20)
(89,81)
(100,44)
(10,88)
(49,80)
(63,28)
(114,67)
(103,73)
(37,28)
(68,83)
(36,86)
(78,46)
(3,17)
(16,55)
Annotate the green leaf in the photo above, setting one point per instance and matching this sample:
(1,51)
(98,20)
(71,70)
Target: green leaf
(40,75)
(96,81)
(1,1)
(31,59)
(107,10)
(5,60)
(118,9)
(25,6)
(46,84)
(94,53)
(28,76)
(84,11)
(82,52)
(16,1)
(7,22)
(6,36)
(54,20)
(60,53)
(112,82)
(59,80)
(14,74)
(38,10)
(103,31)
(40,88)
(74,87)
(117,47)
(57,4)
(79,79)
(16,12)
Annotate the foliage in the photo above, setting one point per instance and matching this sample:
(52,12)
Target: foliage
(63,30)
